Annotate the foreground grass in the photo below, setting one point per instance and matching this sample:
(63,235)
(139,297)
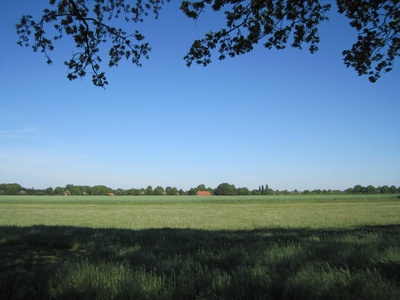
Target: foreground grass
(60,262)
(249,248)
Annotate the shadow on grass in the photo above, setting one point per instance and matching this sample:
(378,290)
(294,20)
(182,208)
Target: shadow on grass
(60,262)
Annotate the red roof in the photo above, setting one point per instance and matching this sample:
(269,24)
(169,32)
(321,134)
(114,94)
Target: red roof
(203,193)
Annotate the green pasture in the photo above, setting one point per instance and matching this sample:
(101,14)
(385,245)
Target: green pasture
(211,213)
(167,247)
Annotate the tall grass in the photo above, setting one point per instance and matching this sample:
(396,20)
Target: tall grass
(83,263)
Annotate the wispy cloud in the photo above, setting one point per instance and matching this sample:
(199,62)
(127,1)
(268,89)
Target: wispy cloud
(38,167)
(21,133)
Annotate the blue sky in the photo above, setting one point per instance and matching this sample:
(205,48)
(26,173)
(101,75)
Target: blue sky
(283,118)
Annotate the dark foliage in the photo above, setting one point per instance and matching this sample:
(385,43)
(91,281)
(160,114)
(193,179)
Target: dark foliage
(248,22)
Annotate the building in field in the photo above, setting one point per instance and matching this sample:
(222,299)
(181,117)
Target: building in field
(203,193)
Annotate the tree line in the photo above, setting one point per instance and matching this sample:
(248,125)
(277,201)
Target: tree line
(224,189)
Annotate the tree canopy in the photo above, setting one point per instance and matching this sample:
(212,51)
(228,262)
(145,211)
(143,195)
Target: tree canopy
(275,23)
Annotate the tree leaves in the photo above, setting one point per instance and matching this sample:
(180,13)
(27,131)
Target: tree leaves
(249,22)
(378,42)
(278,23)
(275,23)
(86,26)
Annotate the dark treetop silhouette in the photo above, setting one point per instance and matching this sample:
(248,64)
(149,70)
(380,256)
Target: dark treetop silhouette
(275,23)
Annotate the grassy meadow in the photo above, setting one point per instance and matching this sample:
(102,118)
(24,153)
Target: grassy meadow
(164,247)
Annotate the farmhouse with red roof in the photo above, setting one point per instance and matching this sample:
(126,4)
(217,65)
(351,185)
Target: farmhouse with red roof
(203,193)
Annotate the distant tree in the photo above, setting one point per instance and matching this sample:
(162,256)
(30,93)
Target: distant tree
(133,192)
(49,191)
(74,190)
(58,191)
(358,189)
(273,23)
(371,190)
(120,192)
(243,191)
(385,189)
(172,191)
(168,190)
(85,189)
(270,192)
(393,189)
(192,191)
(23,193)
(148,191)
(266,190)
(100,190)
(225,189)
(201,187)
(158,191)
(11,188)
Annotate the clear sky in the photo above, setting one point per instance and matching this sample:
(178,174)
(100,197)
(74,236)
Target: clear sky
(285,118)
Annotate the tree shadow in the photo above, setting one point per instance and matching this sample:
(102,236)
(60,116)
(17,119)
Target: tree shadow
(75,263)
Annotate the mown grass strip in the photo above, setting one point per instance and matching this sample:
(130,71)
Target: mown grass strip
(191,199)
(229,214)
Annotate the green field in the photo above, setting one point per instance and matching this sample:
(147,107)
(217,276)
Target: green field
(164,247)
